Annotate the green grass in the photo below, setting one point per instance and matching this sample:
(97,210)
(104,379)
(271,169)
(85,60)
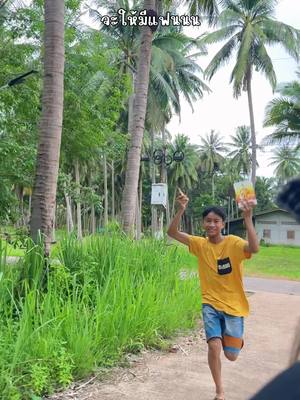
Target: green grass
(108,296)
(10,250)
(270,262)
(17,251)
(275,262)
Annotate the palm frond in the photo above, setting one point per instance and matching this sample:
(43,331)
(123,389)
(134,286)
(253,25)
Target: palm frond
(208,9)
(263,62)
(219,35)
(221,58)
(231,16)
(283,34)
(290,90)
(243,61)
(282,137)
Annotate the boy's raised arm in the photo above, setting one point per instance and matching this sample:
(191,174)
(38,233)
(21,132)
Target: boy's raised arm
(173,231)
(253,245)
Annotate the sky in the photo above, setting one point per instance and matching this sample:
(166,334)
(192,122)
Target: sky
(220,111)
(223,113)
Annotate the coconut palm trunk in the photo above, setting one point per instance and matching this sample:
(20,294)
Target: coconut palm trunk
(29,209)
(139,111)
(252,127)
(45,185)
(93,215)
(78,203)
(112,189)
(69,217)
(105,191)
(213,186)
(174,201)
(153,208)
(139,203)
(164,175)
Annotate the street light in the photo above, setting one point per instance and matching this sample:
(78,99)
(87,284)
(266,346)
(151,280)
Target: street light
(161,157)
(18,80)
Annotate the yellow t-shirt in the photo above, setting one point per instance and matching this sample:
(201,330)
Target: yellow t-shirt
(221,273)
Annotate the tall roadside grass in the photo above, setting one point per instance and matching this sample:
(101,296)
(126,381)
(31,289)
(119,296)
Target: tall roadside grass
(106,296)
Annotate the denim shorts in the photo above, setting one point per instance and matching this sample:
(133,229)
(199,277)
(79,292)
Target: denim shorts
(228,328)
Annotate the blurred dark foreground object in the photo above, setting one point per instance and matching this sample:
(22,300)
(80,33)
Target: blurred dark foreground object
(285,386)
(289,198)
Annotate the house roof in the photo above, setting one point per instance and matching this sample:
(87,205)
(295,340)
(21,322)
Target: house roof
(271,211)
(257,214)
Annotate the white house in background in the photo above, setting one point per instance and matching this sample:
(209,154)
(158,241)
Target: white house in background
(277,227)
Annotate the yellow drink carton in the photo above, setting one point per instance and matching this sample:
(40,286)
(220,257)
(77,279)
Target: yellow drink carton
(244,191)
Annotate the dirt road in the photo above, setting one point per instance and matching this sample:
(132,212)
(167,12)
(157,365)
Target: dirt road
(184,374)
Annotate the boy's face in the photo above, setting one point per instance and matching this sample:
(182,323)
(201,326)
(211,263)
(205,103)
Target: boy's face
(213,224)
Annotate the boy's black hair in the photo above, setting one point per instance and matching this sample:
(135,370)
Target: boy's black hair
(215,209)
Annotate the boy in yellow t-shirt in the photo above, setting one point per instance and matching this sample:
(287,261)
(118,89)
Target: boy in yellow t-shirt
(224,303)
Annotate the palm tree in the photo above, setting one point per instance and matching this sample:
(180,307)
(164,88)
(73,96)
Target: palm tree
(240,155)
(140,104)
(287,163)
(211,158)
(183,174)
(44,192)
(266,189)
(284,114)
(248,26)
(174,70)
(138,120)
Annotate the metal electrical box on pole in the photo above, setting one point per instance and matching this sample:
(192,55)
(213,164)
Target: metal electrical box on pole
(159,194)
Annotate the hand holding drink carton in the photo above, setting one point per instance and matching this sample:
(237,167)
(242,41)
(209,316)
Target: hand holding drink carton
(244,192)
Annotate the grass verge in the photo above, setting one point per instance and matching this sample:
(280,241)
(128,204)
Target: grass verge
(107,296)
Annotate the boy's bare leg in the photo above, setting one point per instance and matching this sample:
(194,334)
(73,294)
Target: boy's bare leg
(214,362)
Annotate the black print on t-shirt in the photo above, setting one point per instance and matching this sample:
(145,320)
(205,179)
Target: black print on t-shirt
(224,266)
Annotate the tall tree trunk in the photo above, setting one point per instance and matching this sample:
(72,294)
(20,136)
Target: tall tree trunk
(138,216)
(141,201)
(21,205)
(252,126)
(19,193)
(153,208)
(112,189)
(165,176)
(139,112)
(131,102)
(213,187)
(228,216)
(77,179)
(137,220)
(70,224)
(236,209)
(105,191)
(29,209)
(45,184)
(93,219)
(168,216)
(173,202)
(84,219)
(53,236)
(73,208)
